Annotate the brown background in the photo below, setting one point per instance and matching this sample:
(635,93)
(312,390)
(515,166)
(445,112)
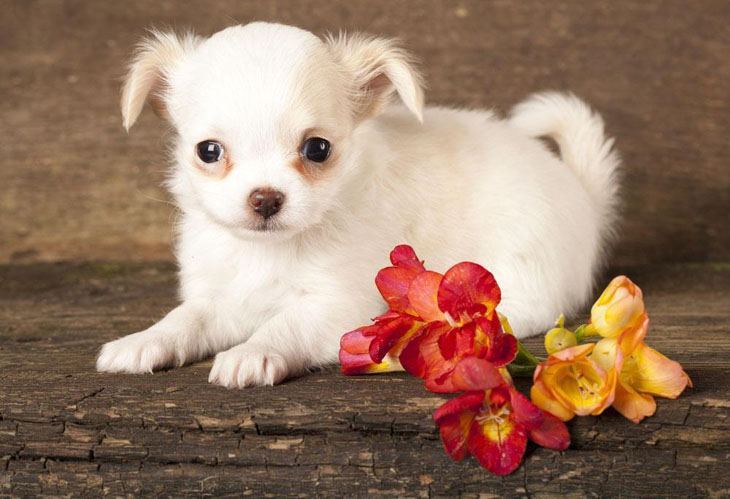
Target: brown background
(73,185)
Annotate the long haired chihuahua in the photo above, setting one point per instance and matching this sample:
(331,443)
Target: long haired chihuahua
(296,175)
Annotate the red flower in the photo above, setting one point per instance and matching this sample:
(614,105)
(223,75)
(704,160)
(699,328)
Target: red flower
(376,348)
(493,421)
(460,308)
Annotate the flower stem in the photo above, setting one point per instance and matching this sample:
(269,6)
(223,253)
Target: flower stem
(524,357)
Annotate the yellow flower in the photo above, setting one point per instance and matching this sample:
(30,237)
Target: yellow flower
(571,383)
(644,372)
(559,338)
(620,306)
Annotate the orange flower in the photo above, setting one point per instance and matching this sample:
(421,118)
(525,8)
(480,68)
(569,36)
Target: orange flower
(620,306)
(644,372)
(570,382)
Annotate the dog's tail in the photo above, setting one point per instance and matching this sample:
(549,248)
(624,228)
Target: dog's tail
(583,145)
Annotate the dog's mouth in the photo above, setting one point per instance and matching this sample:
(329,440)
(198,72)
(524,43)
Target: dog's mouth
(266,226)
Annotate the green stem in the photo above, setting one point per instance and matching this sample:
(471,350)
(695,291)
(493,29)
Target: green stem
(580,333)
(520,370)
(524,357)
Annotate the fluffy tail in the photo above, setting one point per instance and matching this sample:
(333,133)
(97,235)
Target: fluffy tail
(583,146)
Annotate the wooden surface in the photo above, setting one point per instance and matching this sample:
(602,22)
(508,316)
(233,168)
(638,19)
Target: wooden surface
(67,430)
(75,186)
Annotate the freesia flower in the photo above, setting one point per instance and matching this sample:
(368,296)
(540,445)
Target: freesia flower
(355,355)
(620,306)
(493,421)
(462,321)
(644,373)
(376,348)
(571,382)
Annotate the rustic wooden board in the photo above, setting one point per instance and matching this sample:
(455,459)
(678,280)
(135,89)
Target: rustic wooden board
(67,430)
(76,187)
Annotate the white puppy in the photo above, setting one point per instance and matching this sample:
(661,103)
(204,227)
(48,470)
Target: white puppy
(296,176)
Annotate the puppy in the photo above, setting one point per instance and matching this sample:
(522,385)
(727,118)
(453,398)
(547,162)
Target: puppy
(296,176)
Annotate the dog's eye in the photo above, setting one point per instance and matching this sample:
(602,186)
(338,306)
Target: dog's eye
(210,151)
(316,149)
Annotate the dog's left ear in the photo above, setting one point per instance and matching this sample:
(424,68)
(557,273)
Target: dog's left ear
(377,68)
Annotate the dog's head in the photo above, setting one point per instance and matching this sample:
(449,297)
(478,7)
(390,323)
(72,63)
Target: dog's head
(265,116)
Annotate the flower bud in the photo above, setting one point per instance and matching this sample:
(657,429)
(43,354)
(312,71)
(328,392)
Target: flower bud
(620,306)
(559,338)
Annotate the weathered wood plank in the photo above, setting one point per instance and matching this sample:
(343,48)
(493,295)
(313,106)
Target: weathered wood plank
(78,187)
(65,429)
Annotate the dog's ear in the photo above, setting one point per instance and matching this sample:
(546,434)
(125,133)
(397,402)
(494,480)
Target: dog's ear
(156,55)
(377,68)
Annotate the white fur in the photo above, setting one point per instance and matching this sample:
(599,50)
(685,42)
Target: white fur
(463,185)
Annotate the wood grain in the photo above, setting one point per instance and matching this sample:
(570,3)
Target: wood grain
(74,186)
(67,430)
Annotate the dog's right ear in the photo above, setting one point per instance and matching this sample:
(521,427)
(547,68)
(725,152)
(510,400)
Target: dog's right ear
(156,55)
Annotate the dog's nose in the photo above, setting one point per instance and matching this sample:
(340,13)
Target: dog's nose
(266,201)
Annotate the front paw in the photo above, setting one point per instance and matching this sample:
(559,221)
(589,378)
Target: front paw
(248,365)
(137,353)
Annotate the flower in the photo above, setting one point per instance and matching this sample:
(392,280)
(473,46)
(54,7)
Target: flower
(459,308)
(559,338)
(376,348)
(620,306)
(644,372)
(355,355)
(571,382)
(493,421)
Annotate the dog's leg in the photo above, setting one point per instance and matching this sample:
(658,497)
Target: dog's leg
(304,336)
(180,337)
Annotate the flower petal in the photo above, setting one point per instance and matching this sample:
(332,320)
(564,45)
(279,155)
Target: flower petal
(389,334)
(411,358)
(470,400)
(422,296)
(476,374)
(651,372)
(633,405)
(571,353)
(439,350)
(552,434)
(525,412)
(492,343)
(467,287)
(542,398)
(455,419)
(351,364)
(454,431)
(498,444)
(393,284)
(405,257)
(358,341)
(633,336)
(604,353)
(417,359)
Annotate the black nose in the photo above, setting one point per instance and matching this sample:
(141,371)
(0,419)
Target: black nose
(266,201)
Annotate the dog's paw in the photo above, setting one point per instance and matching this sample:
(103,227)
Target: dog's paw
(137,353)
(248,365)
